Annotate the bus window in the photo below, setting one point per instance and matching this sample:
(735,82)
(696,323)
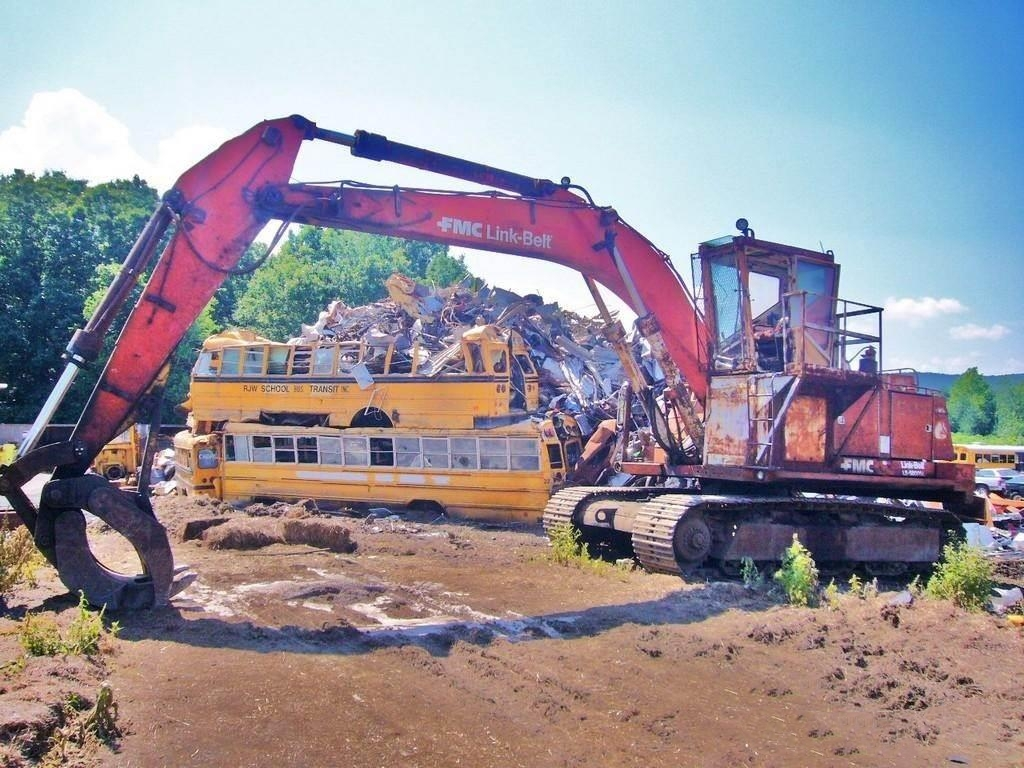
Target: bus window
(464,453)
(435,452)
(555,455)
(207,458)
(523,454)
(278,362)
(300,360)
(526,363)
(284,450)
(232,362)
(493,453)
(204,365)
(382,452)
(356,454)
(236,448)
(476,357)
(407,452)
(499,361)
(330,450)
(323,361)
(262,449)
(573,451)
(306,450)
(253,361)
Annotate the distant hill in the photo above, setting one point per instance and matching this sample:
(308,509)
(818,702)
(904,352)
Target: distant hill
(944,381)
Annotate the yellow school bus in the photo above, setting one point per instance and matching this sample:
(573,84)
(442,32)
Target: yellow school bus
(995,456)
(485,379)
(502,474)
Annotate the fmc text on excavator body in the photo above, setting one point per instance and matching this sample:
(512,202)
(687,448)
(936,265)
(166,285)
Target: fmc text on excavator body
(761,428)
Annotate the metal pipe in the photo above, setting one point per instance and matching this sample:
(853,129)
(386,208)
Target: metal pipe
(373,146)
(49,408)
(627,279)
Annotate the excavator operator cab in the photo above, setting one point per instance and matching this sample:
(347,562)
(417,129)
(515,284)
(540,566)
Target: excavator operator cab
(773,308)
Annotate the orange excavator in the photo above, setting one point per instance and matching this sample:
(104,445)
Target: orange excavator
(769,415)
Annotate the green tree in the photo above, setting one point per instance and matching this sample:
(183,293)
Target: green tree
(972,406)
(287,290)
(1010,414)
(48,250)
(225,300)
(444,270)
(316,266)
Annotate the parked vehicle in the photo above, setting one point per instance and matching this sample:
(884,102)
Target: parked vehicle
(1014,483)
(987,480)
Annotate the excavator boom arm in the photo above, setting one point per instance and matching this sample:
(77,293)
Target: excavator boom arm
(217,209)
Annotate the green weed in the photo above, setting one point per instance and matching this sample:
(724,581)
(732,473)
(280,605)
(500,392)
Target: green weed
(41,636)
(964,575)
(752,577)
(19,559)
(831,595)
(798,575)
(569,549)
(87,630)
(856,585)
(567,546)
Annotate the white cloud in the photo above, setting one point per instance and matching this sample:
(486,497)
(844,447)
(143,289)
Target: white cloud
(916,311)
(64,130)
(182,150)
(970,331)
(957,364)
(67,131)
(936,363)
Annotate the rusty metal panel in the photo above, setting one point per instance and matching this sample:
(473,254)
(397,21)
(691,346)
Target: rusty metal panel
(857,428)
(911,415)
(829,543)
(942,434)
(728,424)
(805,429)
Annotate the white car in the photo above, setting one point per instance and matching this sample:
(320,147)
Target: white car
(987,481)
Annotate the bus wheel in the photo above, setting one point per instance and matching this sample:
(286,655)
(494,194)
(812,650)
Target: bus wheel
(372,417)
(428,508)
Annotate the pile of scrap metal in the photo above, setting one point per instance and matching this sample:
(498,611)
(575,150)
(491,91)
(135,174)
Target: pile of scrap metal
(579,372)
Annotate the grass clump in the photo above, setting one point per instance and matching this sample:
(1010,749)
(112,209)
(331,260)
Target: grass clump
(567,545)
(84,729)
(19,559)
(798,575)
(41,636)
(831,595)
(87,630)
(964,576)
(569,549)
(752,577)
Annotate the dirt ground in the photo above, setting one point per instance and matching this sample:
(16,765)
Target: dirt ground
(435,643)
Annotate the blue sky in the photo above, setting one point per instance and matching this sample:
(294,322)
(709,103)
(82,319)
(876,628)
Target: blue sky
(891,133)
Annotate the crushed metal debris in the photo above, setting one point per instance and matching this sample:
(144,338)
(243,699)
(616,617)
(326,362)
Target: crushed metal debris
(579,371)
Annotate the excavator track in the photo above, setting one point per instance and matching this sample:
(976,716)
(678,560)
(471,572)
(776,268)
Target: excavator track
(677,533)
(563,505)
(655,532)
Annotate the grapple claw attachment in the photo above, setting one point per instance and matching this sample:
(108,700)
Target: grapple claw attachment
(62,522)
